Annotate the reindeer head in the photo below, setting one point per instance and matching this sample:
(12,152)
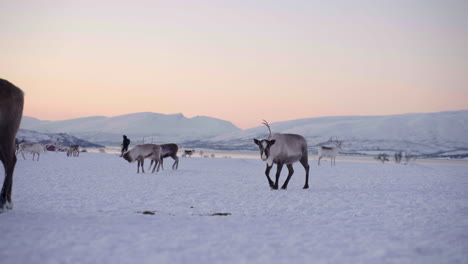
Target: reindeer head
(336,142)
(264,146)
(127,156)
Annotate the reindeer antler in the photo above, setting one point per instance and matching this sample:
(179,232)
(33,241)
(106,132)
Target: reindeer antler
(267,125)
(335,140)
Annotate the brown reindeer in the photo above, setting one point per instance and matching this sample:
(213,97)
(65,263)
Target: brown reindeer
(11,111)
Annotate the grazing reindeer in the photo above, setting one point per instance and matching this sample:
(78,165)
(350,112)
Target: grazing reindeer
(168,150)
(11,111)
(330,152)
(141,152)
(188,152)
(34,148)
(283,149)
(73,151)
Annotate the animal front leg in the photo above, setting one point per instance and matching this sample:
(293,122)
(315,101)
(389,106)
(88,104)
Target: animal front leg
(157,163)
(291,171)
(151,164)
(176,163)
(279,167)
(267,173)
(161,164)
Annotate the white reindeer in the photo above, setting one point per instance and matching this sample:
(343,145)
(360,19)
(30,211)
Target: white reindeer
(11,111)
(34,148)
(330,152)
(283,149)
(141,152)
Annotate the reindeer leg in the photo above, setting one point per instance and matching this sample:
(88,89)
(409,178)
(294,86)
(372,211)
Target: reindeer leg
(267,173)
(142,163)
(319,160)
(176,163)
(291,171)
(5,194)
(306,167)
(138,166)
(279,167)
(160,162)
(151,164)
(156,165)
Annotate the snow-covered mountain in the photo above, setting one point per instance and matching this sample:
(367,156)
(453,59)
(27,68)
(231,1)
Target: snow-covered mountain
(436,134)
(432,134)
(159,128)
(47,138)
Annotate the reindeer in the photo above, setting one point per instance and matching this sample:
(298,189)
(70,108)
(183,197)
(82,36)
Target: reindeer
(141,152)
(188,152)
(34,148)
(168,150)
(11,111)
(73,151)
(283,149)
(330,152)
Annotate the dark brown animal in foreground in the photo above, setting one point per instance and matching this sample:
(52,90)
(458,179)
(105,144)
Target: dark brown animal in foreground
(11,111)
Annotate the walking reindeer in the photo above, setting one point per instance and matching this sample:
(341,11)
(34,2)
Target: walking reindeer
(283,149)
(33,148)
(168,150)
(330,152)
(11,111)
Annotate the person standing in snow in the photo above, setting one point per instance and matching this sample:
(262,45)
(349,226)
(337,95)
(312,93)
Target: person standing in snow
(125,144)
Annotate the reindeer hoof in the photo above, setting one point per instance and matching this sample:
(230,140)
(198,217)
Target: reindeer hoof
(5,206)
(306,187)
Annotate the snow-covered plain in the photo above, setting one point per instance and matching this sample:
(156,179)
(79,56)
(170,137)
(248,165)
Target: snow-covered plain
(89,210)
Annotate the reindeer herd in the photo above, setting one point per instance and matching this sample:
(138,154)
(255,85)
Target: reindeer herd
(280,149)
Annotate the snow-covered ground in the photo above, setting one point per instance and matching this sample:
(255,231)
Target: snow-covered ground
(89,210)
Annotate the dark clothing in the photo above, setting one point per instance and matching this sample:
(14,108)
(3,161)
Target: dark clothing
(125,144)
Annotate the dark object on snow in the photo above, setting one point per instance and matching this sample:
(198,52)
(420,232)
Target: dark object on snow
(221,214)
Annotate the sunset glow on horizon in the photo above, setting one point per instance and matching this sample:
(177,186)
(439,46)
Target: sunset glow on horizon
(237,61)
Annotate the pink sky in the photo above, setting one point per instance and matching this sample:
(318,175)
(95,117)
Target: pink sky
(242,62)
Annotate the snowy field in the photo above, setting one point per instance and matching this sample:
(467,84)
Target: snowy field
(90,210)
